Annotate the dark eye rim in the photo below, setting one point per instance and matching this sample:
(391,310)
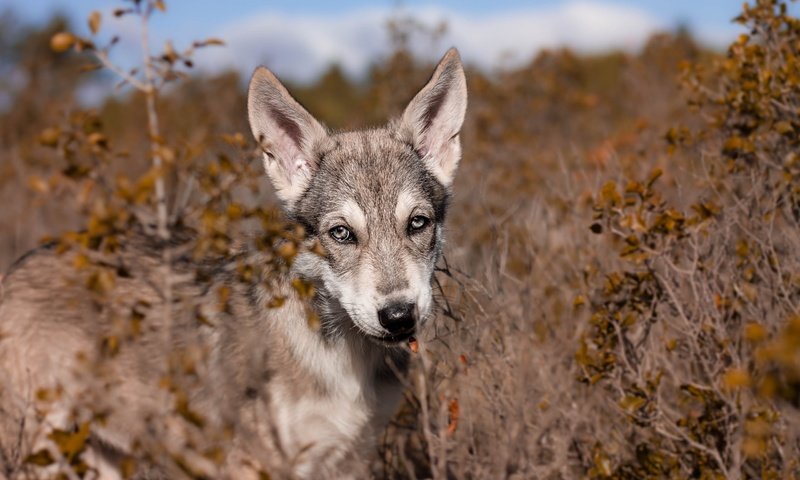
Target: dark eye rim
(349,238)
(425,222)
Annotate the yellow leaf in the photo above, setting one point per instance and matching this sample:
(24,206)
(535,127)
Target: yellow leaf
(632,403)
(169,52)
(736,144)
(609,194)
(655,175)
(71,443)
(633,222)
(749,291)
(80,261)
(234,211)
(110,345)
(37,184)
(742,248)
(672,344)
(94,22)
(98,139)
(735,378)
(579,301)
(62,41)
(236,139)
(166,154)
(50,136)
(318,249)
(184,410)
(128,467)
(224,294)
(313,320)
(287,250)
(276,302)
(757,427)
(304,289)
(754,447)
(42,458)
(783,127)
(101,282)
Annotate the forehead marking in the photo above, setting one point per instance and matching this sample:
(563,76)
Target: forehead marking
(405,205)
(354,215)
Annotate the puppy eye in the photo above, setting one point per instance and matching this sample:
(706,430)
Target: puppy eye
(417,223)
(342,234)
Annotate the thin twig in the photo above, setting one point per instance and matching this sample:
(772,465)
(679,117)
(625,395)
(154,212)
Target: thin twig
(158,164)
(102,56)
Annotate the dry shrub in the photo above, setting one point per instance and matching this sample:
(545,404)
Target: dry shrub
(691,336)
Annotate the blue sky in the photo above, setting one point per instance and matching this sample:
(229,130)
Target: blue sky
(298,39)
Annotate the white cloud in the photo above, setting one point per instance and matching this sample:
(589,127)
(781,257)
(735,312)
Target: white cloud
(299,47)
(584,26)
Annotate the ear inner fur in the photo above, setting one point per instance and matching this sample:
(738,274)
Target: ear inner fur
(287,134)
(433,119)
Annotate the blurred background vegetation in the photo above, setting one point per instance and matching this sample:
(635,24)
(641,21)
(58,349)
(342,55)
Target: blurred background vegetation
(562,112)
(623,263)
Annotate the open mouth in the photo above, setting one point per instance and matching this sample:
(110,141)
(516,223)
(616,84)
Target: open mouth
(392,340)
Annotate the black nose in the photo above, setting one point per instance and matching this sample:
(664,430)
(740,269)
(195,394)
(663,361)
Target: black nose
(398,318)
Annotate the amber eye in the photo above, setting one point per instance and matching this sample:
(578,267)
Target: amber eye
(342,234)
(417,223)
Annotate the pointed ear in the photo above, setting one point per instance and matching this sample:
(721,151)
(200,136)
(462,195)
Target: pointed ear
(286,132)
(433,119)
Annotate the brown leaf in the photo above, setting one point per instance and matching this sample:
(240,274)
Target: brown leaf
(784,127)
(169,55)
(94,22)
(236,139)
(304,289)
(276,302)
(98,139)
(632,403)
(312,319)
(735,378)
(184,410)
(62,41)
(42,458)
(90,67)
(208,42)
(50,136)
(453,409)
(71,443)
(166,154)
(287,250)
(38,184)
(413,344)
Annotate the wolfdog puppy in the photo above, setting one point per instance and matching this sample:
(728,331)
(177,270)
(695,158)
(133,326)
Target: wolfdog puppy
(287,397)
